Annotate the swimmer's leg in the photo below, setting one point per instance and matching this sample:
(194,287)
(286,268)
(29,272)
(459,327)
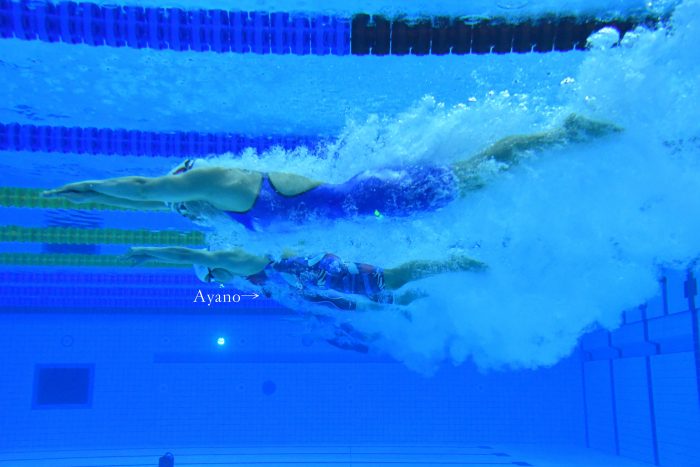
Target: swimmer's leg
(399,276)
(348,338)
(508,151)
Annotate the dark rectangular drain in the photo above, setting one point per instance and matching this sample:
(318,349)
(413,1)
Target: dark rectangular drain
(63,386)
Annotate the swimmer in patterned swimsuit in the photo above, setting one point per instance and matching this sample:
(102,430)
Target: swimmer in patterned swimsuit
(303,282)
(258,200)
(312,284)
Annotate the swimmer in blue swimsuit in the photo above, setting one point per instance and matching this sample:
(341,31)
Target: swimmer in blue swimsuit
(304,282)
(258,200)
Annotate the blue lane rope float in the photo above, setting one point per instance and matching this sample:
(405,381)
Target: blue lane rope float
(108,279)
(70,303)
(170,294)
(174,28)
(68,289)
(77,304)
(284,33)
(81,290)
(19,137)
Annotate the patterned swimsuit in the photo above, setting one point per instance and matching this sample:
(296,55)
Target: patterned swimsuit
(324,279)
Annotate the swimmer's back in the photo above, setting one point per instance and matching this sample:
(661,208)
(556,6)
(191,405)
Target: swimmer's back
(393,192)
(385,192)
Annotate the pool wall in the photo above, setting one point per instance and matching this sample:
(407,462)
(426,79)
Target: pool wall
(167,383)
(152,382)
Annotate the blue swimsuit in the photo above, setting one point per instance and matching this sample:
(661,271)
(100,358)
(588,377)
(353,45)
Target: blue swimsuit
(385,192)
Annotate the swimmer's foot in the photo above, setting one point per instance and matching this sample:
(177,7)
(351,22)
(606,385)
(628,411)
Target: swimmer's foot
(579,128)
(464,263)
(406,297)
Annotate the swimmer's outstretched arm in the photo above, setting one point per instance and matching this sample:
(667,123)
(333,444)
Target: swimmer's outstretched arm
(225,189)
(99,198)
(237,262)
(508,151)
(175,255)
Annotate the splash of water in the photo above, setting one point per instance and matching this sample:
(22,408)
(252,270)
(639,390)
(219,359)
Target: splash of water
(572,237)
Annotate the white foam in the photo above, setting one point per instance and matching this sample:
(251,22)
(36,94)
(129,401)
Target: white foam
(572,237)
(604,38)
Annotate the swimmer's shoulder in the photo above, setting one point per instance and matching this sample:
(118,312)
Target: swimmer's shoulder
(215,177)
(197,166)
(288,184)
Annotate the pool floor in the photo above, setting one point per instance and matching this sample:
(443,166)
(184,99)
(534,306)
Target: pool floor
(346,456)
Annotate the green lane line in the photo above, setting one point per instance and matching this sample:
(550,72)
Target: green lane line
(78,236)
(40,259)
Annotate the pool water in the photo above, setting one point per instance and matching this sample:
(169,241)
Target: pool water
(576,345)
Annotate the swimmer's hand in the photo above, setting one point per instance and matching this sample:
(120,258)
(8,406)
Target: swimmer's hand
(138,255)
(80,192)
(408,297)
(580,128)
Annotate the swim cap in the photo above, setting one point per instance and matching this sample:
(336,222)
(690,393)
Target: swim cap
(203,273)
(182,168)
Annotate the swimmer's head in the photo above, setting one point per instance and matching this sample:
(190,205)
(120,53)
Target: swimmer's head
(182,168)
(221,275)
(206,274)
